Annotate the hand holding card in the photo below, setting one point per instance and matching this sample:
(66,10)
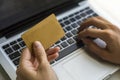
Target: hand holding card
(47,32)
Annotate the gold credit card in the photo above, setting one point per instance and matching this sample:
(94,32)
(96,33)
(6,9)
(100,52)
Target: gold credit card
(47,32)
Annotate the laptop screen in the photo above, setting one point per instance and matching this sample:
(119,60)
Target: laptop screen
(13,11)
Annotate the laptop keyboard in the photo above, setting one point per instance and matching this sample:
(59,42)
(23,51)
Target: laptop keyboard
(14,49)
(67,44)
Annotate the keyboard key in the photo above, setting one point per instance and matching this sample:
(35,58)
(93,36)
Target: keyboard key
(77,17)
(89,11)
(79,22)
(65,18)
(16,61)
(83,14)
(76,13)
(64,30)
(70,41)
(64,38)
(67,22)
(71,15)
(16,47)
(75,38)
(14,55)
(62,24)
(68,28)
(69,35)
(74,25)
(87,8)
(21,50)
(84,19)
(78,28)
(94,14)
(84,10)
(13,42)
(9,50)
(72,19)
(20,39)
(67,51)
(89,16)
(74,32)
(22,44)
(58,42)
(81,11)
(6,46)
(60,20)
(64,44)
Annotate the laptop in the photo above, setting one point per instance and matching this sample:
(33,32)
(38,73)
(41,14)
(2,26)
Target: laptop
(74,62)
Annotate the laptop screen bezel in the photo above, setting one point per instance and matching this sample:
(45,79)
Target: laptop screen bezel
(25,21)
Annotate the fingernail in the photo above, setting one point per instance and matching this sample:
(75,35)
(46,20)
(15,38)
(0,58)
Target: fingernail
(37,44)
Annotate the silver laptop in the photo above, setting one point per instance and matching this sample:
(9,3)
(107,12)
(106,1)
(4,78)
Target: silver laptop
(74,63)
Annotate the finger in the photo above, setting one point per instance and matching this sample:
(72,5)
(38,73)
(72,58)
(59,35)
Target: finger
(26,55)
(93,33)
(17,78)
(39,52)
(52,57)
(93,47)
(109,24)
(52,50)
(104,20)
(93,22)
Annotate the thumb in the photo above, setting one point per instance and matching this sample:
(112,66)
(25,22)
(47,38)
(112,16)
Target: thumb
(39,52)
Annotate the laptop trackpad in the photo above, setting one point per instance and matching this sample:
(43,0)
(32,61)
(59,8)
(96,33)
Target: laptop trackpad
(83,67)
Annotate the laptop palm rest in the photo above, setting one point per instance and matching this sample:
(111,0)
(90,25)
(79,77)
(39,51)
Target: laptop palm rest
(83,67)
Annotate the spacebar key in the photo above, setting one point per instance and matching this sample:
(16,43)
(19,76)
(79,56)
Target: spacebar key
(67,51)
